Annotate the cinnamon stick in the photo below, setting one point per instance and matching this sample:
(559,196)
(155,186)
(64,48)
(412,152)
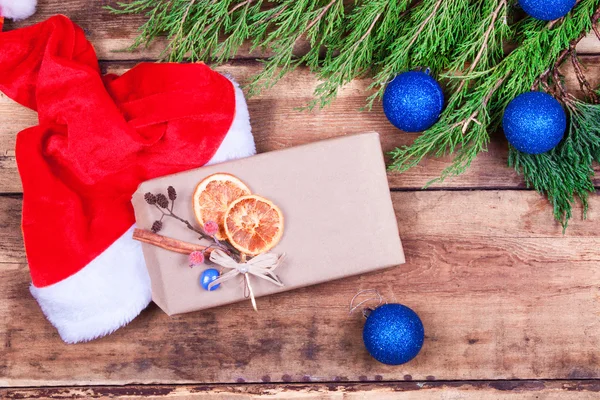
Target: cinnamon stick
(167,243)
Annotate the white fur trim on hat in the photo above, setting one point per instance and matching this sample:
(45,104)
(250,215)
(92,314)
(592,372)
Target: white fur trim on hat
(17,9)
(114,288)
(100,298)
(238,142)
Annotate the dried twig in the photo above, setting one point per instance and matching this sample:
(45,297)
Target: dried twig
(558,88)
(583,82)
(166,208)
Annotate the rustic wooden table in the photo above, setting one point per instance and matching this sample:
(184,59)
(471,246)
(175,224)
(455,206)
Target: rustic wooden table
(511,306)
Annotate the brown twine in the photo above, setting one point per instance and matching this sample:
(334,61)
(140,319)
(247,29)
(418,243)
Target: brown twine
(262,266)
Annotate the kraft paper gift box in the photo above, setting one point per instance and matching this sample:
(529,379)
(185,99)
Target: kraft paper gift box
(339,220)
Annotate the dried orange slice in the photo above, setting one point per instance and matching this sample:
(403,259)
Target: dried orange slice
(253,224)
(213,196)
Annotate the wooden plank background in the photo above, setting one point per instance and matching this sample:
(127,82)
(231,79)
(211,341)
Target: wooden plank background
(511,306)
(464,390)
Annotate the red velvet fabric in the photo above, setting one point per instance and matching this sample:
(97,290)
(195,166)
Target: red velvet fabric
(99,138)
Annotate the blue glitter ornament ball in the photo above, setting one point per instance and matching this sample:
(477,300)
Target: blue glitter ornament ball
(413,101)
(209,275)
(547,10)
(393,334)
(534,122)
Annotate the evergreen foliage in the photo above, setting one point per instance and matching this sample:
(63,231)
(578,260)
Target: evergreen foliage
(461,41)
(566,172)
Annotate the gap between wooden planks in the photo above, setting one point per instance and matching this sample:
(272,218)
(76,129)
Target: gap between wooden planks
(277,123)
(502,294)
(466,390)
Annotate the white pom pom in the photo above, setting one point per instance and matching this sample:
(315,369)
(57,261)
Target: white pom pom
(17,9)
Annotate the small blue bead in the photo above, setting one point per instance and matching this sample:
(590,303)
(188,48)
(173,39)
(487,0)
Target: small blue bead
(413,101)
(534,122)
(547,10)
(393,334)
(209,275)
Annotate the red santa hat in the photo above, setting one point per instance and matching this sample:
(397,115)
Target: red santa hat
(98,138)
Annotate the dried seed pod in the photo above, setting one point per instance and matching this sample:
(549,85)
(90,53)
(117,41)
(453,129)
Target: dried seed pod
(172,193)
(156,226)
(162,200)
(150,198)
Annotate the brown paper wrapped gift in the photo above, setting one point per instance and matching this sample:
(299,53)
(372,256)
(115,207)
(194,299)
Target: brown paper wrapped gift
(339,220)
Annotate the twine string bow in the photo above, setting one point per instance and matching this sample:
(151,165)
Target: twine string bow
(262,266)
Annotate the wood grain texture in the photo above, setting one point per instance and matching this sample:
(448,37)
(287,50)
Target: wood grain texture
(502,294)
(410,390)
(277,123)
(112,34)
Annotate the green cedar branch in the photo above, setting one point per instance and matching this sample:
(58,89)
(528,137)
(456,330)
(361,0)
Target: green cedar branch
(460,40)
(518,71)
(566,173)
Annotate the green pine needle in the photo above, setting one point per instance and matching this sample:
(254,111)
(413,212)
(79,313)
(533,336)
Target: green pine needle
(460,41)
(566,172)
